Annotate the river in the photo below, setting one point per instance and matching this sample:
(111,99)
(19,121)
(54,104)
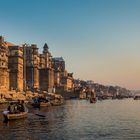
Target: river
(78,120)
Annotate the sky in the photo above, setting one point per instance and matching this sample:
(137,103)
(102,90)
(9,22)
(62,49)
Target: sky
(98,39)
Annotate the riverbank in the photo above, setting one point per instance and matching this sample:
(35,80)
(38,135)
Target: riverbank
(28,96)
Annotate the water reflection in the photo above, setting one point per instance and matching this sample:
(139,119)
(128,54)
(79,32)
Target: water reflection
(78,119)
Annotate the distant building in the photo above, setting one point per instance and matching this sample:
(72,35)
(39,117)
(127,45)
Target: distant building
(67,81)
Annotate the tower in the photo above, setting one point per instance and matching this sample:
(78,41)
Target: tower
(46,71)
(15,65)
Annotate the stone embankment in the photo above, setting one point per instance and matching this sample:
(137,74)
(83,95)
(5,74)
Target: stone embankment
(28,96)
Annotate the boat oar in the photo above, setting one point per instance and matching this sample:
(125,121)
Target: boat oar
(40,115)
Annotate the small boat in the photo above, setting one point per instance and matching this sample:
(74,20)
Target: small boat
(8,116)
(57,102)
(46,104)
(93,96)
(41,104)
(36,105)
(92,100)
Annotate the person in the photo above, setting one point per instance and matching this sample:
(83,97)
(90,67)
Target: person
(20,106)
(11,108)
(36,100)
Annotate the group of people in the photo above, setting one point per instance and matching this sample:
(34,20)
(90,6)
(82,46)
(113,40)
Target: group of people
(16,107)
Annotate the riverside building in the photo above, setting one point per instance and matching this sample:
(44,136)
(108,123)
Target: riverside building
(15,65)
(24,68)
(32,60)
(4,71)
(46,71)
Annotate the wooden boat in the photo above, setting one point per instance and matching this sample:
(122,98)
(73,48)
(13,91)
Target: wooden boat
(57,102)
(36,105)
(92,100)
(93,96)
(41,104)
(45,104)
(8,116)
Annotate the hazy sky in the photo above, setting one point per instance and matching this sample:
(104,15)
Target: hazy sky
(99,39)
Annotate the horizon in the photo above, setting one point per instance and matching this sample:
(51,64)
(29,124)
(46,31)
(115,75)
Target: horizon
(98,39)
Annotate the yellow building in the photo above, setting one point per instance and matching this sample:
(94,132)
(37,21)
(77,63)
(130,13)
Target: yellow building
(4,73)
(15,65)
(67,81)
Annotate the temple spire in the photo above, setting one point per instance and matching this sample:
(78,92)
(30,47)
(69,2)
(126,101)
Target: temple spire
(46,46)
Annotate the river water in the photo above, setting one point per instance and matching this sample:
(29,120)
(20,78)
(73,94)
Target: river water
(78,120)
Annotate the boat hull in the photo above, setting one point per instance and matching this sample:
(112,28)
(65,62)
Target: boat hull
(15,116)
(41,104)
(45,104)
(57,102)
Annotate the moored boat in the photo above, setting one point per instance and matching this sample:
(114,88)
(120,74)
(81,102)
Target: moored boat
(41,104)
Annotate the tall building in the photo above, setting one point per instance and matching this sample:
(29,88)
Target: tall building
(4,72)
(32,59)
(46,71)
(15,65)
